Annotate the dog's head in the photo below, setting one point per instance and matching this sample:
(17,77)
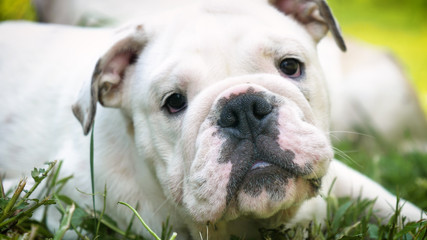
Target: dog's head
(228,104)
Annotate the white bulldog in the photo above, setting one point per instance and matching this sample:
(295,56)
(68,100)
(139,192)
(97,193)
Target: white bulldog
(216,115)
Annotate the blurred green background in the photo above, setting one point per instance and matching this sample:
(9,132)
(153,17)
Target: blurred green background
(17,9)
(396,24)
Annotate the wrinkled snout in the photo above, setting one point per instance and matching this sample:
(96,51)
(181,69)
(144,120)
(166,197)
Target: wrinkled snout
(256,151)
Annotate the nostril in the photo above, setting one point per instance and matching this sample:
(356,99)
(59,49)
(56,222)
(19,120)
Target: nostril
(244,114)
(261,108)
(228,119)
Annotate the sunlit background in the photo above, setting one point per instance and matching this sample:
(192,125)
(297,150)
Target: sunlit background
(395,24)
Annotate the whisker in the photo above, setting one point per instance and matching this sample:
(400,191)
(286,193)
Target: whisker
(345,156)
(158,209)
(351,132)
(165,201)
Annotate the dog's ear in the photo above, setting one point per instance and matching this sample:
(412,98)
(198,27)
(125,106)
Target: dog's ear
(109,76)
(315,15)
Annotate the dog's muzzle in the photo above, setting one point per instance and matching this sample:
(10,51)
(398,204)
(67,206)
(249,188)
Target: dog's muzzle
(257,150)
(249,124)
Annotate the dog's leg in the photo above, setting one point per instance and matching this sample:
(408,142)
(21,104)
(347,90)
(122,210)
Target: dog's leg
(354,184)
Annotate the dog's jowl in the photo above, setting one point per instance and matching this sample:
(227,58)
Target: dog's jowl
(215,115)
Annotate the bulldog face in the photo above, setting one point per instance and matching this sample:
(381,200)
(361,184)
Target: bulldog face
(228,105)
(237,113)
(257,149)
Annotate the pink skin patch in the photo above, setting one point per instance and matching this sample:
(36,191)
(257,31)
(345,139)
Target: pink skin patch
(308,143)
(118,63)
(205,190)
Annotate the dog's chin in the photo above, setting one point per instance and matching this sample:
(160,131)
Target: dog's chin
(268,189)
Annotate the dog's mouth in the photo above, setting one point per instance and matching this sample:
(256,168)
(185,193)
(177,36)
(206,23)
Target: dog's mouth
(259,165)
(267,169)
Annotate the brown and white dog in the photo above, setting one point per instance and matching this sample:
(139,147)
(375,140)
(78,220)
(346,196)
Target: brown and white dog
(216,115)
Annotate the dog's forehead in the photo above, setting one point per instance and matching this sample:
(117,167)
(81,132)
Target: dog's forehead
(211,42)
(218,25)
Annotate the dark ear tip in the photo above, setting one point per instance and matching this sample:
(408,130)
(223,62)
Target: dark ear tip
(341,43)
(333,25)
(86,130)
(86,123)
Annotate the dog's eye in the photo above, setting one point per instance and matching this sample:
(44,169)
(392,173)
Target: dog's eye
(176,102)
(291,67)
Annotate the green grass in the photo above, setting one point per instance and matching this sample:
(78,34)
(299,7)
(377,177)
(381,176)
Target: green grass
(17,206)
(17,9)
(346,219)
(403,173)
(351,219)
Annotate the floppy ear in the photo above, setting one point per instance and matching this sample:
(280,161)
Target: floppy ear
(109,76)
(315,15)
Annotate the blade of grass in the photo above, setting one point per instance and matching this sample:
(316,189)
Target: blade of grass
(3,194)
(92,176)
(27,212)
(64,211)
(11,203)
(395,218)
(61,183)
(103,209)
(65,223)
(339,215)
(144,224)
(421,230)
(51,183)
(128,229)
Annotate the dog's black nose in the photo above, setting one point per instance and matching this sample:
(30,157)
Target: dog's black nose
(245,115)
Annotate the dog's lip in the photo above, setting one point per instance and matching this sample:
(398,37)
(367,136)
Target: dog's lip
(263,165)
(315,182)
(260,164)
(313,178)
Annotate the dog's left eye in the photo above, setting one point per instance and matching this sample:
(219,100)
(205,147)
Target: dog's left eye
(175,103)
(291,67)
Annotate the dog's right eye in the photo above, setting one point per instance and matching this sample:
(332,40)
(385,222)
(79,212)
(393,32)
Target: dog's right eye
(176,103)
(291,67)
